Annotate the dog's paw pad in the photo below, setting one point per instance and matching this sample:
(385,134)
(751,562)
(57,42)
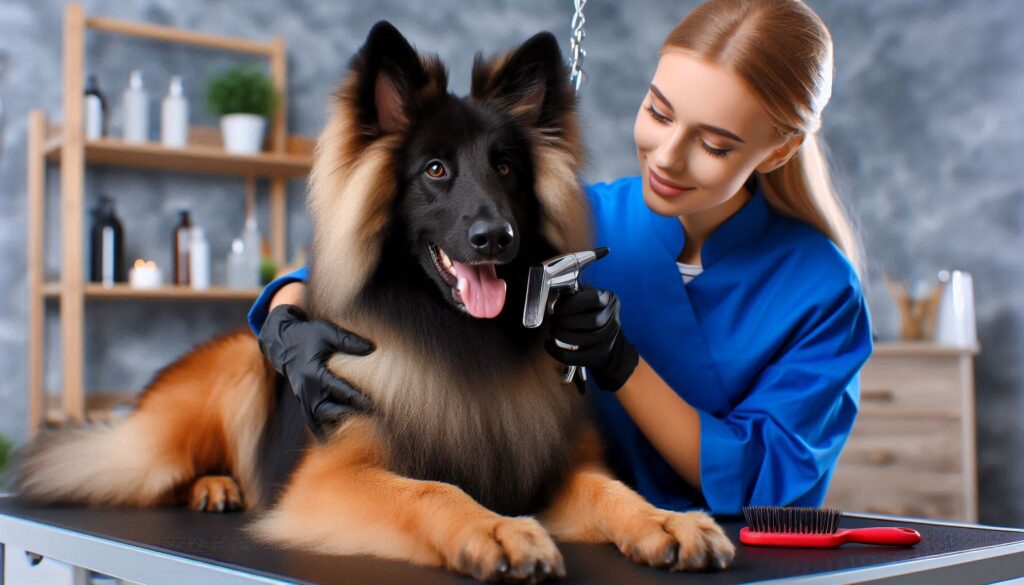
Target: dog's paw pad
(703,545)
(511,550)
(690,541)
(216,493)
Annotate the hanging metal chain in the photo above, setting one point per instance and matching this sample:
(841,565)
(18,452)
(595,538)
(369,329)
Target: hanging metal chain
(576,46)
(5,61)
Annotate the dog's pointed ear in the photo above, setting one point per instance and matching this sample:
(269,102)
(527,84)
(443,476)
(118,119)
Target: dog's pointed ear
(531,83)
(392,79)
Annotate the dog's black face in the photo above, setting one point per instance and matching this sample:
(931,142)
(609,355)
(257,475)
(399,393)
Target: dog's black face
(466,197)
(466,211)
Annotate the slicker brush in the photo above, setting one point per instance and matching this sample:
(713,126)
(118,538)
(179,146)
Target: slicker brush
(814,528)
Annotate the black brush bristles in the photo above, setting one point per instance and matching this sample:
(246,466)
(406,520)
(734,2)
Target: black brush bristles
(792,520)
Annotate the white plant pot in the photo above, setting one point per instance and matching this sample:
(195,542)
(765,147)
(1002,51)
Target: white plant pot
(243,133)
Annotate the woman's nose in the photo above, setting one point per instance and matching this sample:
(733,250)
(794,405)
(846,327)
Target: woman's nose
(670,155)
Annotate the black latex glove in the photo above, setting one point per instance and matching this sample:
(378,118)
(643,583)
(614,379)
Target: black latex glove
(590,319)
(298,349)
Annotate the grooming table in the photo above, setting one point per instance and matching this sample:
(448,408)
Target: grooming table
(181,546)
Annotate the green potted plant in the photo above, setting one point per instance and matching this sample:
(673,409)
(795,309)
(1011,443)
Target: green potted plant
(243,97)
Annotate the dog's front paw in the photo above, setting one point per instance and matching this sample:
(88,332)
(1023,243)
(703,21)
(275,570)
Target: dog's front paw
(689,541)
(510,550)
(215,493)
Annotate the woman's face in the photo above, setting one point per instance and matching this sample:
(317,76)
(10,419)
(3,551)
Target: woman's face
(700,133)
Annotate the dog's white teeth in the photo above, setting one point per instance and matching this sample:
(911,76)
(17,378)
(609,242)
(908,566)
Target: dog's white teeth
(446,262)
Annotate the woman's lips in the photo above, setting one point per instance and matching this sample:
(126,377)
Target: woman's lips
(663,187)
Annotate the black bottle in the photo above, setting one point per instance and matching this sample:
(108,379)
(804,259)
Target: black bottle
(107,237)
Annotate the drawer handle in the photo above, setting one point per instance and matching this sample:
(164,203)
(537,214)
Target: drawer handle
(881,458)
(877,395)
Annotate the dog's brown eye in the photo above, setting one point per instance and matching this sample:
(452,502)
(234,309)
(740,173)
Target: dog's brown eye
(436,170)
(503,168)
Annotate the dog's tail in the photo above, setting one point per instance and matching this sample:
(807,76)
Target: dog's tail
(202,414)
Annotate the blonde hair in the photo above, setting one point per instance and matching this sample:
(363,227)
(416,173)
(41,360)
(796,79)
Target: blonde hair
(783,51)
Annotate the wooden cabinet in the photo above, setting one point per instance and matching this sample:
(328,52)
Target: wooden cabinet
(912,451)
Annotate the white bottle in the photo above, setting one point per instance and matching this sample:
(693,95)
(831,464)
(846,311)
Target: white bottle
(95,110)
(93,118)
(136,110)
(199,259)
(174,116)
(251,239)
(238,265)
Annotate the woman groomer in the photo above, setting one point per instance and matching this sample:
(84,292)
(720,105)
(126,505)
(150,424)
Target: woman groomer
(727,355)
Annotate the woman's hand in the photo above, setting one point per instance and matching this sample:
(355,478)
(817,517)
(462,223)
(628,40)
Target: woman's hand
(298,349)
(590,319)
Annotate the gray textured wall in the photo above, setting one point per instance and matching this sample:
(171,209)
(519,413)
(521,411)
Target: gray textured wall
(925,126)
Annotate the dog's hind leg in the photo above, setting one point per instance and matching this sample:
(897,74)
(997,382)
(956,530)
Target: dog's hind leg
(201,414)
(594,507)
(341,500)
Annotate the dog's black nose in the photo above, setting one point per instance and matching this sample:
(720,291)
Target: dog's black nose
(490,237)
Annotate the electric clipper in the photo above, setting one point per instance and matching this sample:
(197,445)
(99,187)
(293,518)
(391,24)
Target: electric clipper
(543,285)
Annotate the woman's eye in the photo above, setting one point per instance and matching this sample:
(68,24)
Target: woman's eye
(658,116)
(503,168)
(715,152)
(436,170)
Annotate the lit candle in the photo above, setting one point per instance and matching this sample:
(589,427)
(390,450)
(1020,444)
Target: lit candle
(144,274)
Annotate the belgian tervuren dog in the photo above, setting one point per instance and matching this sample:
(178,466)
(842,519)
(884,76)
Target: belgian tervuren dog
(428,210)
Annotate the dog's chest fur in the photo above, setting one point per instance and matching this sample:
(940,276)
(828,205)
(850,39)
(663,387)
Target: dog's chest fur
(469,412)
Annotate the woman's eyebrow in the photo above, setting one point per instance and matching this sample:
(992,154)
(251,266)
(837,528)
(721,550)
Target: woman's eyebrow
(708,127)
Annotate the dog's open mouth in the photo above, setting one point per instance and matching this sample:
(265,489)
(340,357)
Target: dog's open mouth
(475,287)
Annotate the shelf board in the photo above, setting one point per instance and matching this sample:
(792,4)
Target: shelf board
(123,291)
(99,406)
(198,158)
(901,348)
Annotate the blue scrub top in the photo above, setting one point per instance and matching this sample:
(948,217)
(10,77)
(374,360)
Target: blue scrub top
(766,344)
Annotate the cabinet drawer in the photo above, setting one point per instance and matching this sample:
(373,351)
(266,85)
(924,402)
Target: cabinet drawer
(912,445)
(911,386)
(923,494)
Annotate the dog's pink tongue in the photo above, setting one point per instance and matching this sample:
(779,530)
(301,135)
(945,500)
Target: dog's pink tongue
(481,290)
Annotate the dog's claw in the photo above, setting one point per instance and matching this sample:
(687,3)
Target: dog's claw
(671,555)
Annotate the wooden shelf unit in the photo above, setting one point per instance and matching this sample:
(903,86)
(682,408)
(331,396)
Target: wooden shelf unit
(204,154)
(93,290)
(284,157)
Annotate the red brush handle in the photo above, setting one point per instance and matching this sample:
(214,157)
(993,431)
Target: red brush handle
(892,536)
(887,536)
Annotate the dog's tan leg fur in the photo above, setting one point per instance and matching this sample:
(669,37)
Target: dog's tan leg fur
(594,507)
(341,500)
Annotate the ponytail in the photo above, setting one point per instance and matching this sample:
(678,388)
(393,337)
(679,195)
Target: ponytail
(802,189)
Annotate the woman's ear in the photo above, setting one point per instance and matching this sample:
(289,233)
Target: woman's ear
(781,154)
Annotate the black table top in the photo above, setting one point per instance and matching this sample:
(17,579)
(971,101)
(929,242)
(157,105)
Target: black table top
(218,539)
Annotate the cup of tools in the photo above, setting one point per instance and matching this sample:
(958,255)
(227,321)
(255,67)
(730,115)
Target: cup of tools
(918,307)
